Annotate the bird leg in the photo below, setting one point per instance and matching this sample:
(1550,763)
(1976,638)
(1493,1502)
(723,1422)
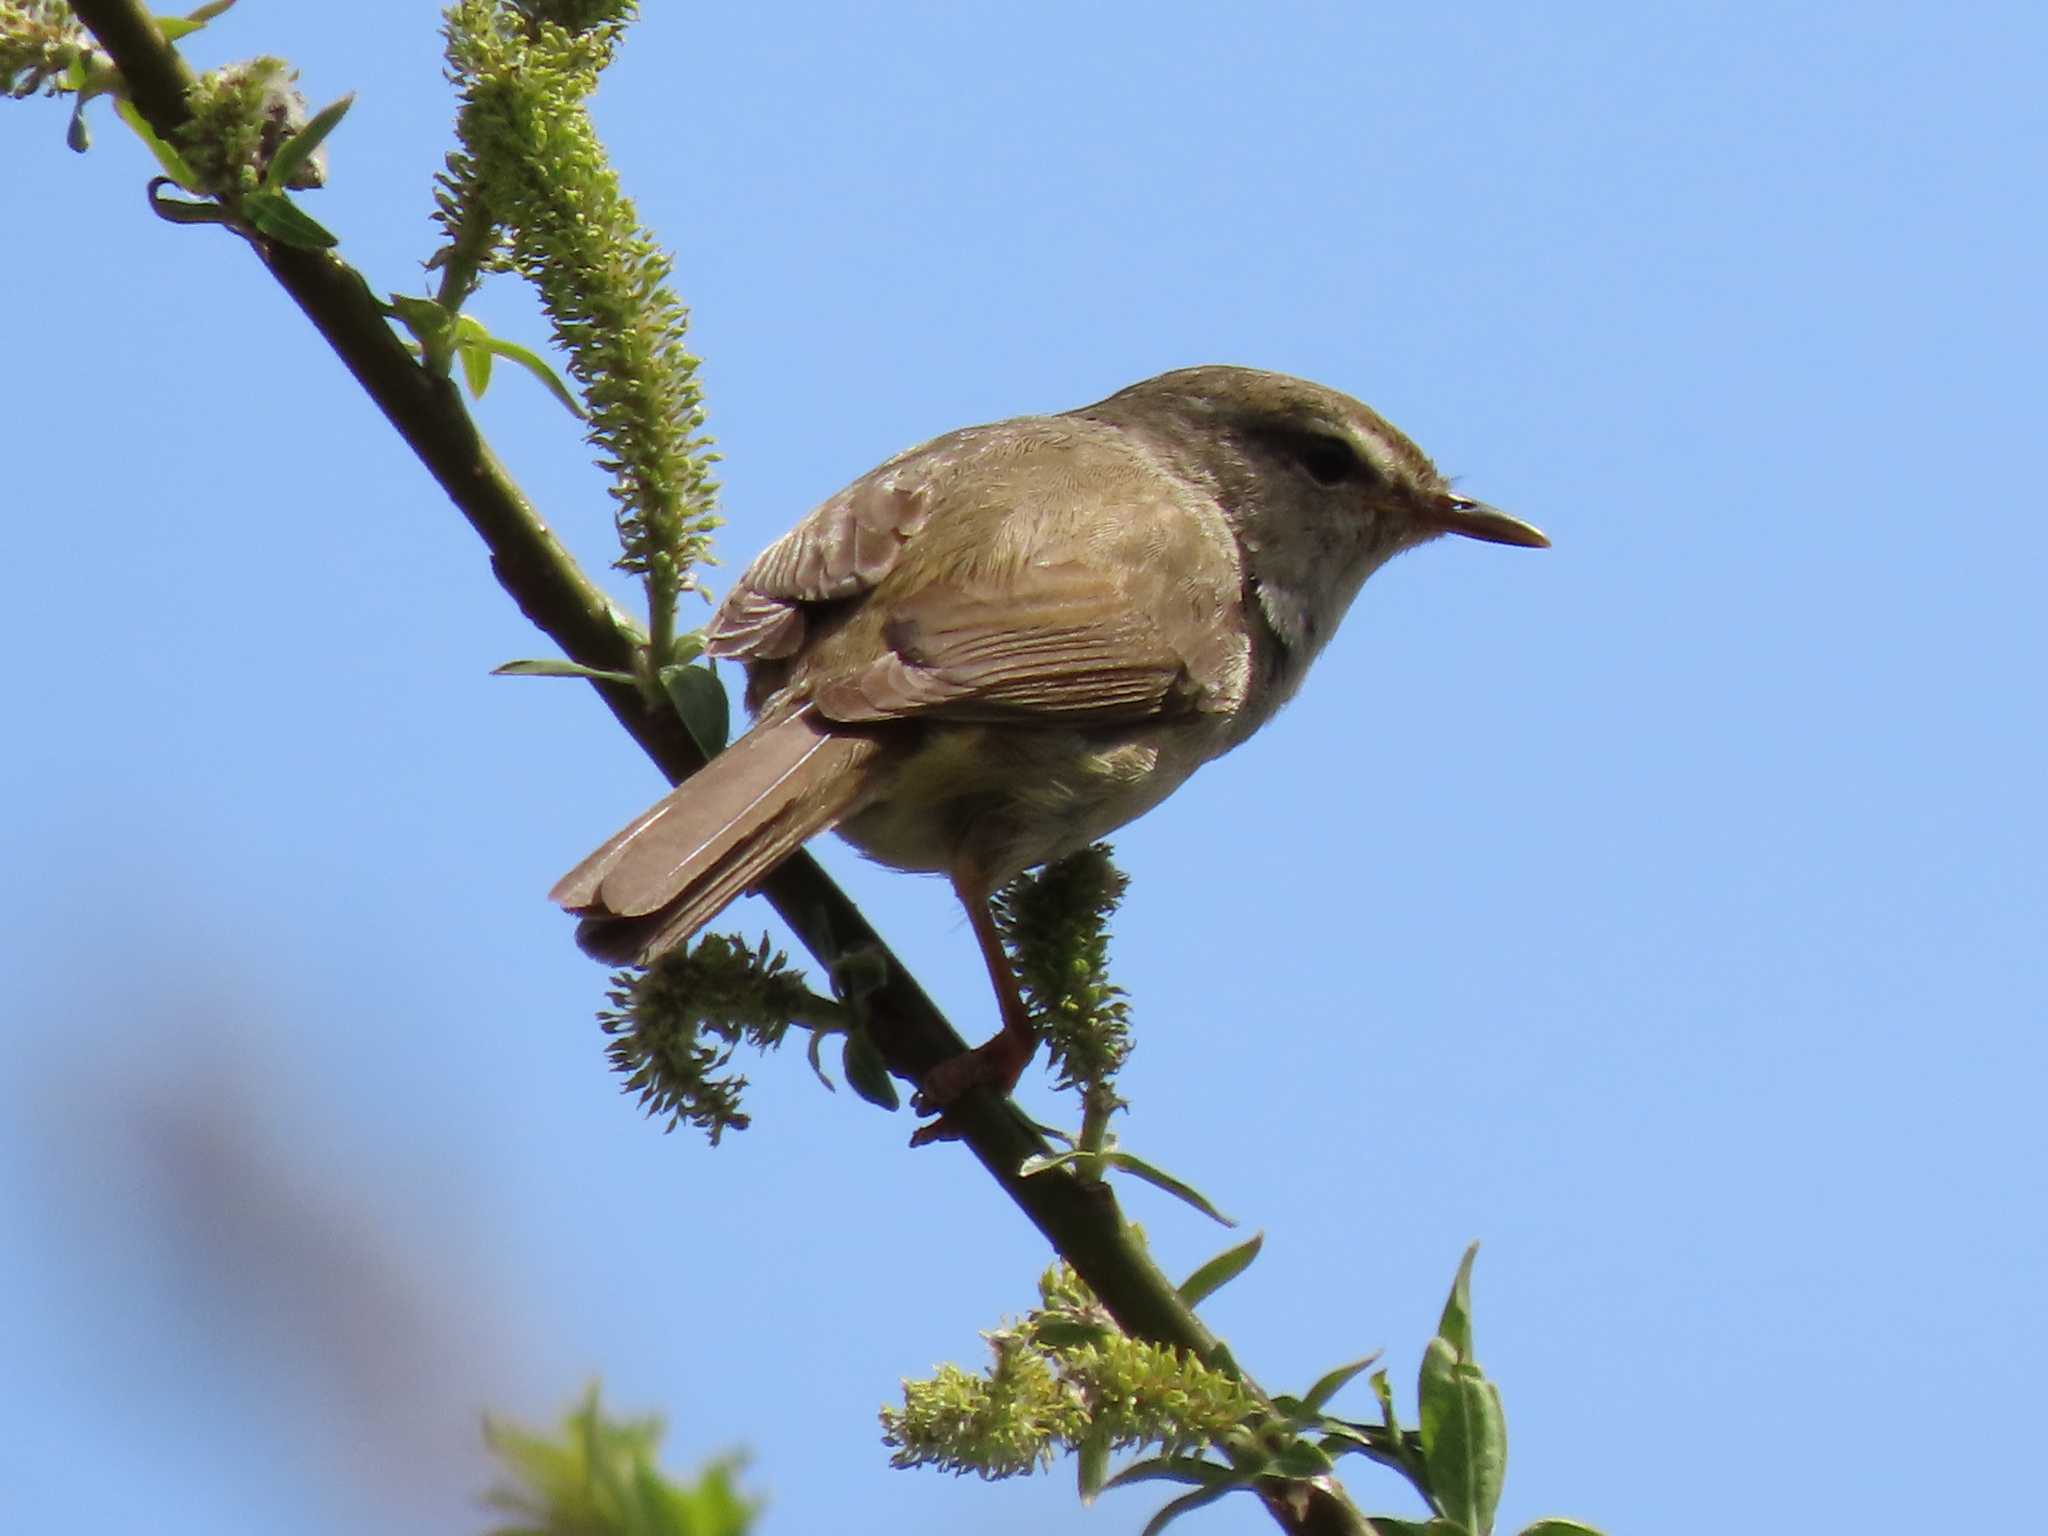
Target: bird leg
(999,1061)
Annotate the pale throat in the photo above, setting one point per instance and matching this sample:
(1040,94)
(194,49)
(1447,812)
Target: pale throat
(1303,587)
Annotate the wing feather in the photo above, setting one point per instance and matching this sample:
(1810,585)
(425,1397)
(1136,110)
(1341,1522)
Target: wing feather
(1060,577)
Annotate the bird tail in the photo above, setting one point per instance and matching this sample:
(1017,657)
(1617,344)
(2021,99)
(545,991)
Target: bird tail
(678,864)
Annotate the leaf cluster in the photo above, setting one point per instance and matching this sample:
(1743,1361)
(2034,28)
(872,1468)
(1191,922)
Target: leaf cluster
(1067,1379)
(596,1476)
(40,43)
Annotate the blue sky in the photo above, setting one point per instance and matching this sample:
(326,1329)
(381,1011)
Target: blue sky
(1663,910)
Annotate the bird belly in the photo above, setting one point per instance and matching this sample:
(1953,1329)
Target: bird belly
(995,801)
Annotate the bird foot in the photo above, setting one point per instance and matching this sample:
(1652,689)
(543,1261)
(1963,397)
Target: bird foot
(995,1064)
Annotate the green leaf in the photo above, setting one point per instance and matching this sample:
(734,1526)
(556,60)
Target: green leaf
(1172,1469)
(1221,1270)
(1138,1168)
(175,210)
(167,156)
(1464,1437)
(1383,1389)
(1343,1439)
(476,368)
(866,1073)
(1455,1328)
(295,151)
(699,698)
(1393,1525)
(815,1052)
(1302,1459)
(1092,1465)
(272,213)
(536,365)
(1330,1383)
(175,27)
(431,325)
(554,666)
(1553,1526)
(1184,1504)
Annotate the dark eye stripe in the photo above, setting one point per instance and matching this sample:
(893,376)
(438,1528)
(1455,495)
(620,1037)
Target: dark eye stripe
(1329,460)
(1324,457)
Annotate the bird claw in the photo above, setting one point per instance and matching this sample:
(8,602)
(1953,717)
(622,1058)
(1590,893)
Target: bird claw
(995,1064)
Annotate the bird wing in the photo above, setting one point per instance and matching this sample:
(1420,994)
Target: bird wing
(1055,643)
(842,550)
(1035,571)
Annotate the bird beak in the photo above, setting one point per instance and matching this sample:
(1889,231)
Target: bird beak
(1476,520)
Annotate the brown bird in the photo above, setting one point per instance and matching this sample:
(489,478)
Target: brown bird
(1003,644)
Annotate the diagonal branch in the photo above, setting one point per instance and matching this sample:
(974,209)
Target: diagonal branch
(1081,1220)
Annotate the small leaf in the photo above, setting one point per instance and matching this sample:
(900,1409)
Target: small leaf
(686,647)
(1302,1459)
(815,1051)
(1092,1465)
(1329,1384)
(422,316)
(273,214)
(1383,1389)
(176,27)
(434,329)
(866,1073)
(166,155)
(534,364)
(555,666)
(1464,1437)
(175,210)
(1553,1526)
(1138,1168)
(1455,1328)
(1342,1439)
(1186,1503)
(476,368)
(699,698)
(1221,1270)
(298,149)
(1172,1469)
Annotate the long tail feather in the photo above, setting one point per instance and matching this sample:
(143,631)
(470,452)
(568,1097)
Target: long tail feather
(673,868)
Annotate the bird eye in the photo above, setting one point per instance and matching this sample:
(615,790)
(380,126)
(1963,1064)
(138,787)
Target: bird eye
(1328,460)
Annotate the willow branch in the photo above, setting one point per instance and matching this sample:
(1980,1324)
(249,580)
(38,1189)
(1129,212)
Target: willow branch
(1081,1220)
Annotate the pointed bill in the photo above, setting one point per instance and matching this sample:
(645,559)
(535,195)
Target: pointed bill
(1476,520)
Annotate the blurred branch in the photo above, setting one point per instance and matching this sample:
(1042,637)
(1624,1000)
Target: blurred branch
(1081,1219)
